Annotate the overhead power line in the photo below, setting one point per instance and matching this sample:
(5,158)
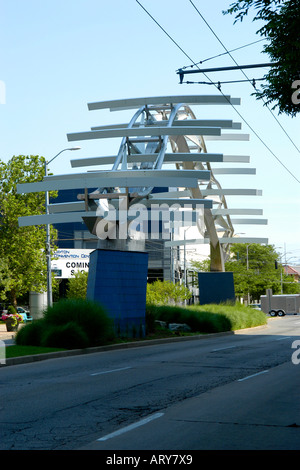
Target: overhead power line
(202,17)
(194,63)
(181,72)
(218,84)
(220,55)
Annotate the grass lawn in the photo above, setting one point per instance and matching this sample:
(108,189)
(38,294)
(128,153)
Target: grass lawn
(17,351)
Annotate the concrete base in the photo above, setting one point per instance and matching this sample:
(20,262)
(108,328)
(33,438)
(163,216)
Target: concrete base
(118,280)
(216,287)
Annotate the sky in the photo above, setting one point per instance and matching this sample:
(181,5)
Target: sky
(58,56)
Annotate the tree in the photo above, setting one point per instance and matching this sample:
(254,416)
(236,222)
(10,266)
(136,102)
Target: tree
(281,29)
(77,285)
(6,282)
(166,292)
(22,249)
(254,271)
(253,268)
(201,265)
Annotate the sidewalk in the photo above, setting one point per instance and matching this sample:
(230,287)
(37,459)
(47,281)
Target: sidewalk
(6,334)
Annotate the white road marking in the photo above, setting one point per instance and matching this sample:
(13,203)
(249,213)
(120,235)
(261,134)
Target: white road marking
(109,371)
(254,375)
(280,339)
(222,349)
(131,426)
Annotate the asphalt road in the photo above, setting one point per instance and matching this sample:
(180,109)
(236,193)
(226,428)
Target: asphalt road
(236,391)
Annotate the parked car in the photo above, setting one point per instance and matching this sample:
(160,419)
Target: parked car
(255,306)
(25,314)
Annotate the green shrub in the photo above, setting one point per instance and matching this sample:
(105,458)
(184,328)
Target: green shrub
(70,323)
(150,320)
(11,310)
(166,292)
(30,334)
(68,336)
(90,316)
(204,322)
(77,285)
(211,318)
(238,316)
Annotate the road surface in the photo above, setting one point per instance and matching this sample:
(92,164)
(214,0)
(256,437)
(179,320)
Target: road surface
(237,391)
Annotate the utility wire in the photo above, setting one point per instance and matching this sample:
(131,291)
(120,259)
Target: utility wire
(222,83)
(192,61)
(228,52)
(220,55)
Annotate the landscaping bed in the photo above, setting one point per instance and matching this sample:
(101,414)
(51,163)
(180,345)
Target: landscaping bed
(82,324)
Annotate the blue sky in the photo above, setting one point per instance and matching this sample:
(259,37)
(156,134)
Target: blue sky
(57,56)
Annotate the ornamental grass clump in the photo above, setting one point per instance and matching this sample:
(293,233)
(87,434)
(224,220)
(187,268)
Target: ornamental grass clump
(203,322)
(70,324)
(236,316)
(210,318)
(67,336)
(31,334)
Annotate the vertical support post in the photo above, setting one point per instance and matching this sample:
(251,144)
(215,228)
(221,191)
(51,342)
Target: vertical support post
(48,248)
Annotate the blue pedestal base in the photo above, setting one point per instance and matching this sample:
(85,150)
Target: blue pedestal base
(216,287)
(118,280)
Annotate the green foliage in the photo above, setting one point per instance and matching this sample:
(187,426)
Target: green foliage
(18,351)
(11,310)
(239,316)
(68,336)
(281,28)
(6,282)
(89,315)
(77,285)
(31,333)
(23,265)
(202,322)
(256,272)
(69,323)
(201,266)
(166,292)
(210,318)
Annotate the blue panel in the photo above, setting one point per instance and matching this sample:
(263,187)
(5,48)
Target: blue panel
(216,287)
(118,280)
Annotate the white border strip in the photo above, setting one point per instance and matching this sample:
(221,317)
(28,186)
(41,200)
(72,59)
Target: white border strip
(109,371)
(254,375)
(131,426)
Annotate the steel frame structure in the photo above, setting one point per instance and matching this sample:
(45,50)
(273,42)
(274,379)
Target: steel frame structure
(163,131)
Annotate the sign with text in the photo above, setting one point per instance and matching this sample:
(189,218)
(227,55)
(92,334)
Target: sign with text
(68,261)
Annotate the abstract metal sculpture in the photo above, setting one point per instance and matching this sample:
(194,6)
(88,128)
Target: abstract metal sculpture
(163,131)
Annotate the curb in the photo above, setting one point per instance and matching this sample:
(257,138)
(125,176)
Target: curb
(135,344)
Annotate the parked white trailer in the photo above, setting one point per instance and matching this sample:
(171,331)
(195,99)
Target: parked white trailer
(280,304)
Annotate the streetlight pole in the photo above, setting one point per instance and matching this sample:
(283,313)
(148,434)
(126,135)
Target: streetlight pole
(48,245)
(247,252)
